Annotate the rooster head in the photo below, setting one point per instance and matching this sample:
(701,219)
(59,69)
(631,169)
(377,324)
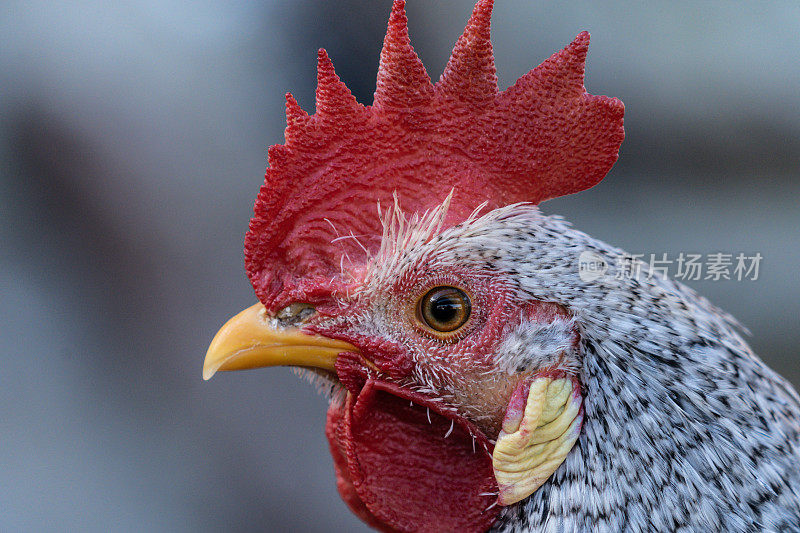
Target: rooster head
(385,254)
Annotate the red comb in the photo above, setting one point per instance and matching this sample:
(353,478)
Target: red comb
(541,138)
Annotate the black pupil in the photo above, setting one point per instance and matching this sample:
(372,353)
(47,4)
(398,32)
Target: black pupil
(445,308)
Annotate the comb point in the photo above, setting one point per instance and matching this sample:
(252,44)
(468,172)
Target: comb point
(295,118)
(470,74)
(403,83)
(334,99)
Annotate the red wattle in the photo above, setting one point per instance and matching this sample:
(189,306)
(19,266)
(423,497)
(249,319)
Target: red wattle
(398,472)
(343,484)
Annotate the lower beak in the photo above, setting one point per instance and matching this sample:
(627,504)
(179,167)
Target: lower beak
(250,340)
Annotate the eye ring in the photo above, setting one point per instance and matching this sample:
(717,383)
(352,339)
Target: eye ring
(444,310)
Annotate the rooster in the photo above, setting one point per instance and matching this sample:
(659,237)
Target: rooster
(476,379)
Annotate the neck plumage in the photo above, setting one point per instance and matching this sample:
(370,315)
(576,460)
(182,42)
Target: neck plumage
(684,425)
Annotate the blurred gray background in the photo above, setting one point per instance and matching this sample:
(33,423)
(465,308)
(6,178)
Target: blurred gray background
(133,141)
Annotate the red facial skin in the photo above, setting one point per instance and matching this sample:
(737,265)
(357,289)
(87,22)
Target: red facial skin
(395,469)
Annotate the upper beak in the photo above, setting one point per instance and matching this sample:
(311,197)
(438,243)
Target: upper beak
(248,340)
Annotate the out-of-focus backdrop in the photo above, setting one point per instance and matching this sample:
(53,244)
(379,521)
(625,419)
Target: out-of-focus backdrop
(133,141)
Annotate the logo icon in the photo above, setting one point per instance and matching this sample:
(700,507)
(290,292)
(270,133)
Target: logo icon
(591,266)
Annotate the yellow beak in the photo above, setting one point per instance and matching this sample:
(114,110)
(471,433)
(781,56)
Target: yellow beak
(249,340)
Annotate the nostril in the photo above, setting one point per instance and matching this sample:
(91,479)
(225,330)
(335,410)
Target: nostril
(294,314)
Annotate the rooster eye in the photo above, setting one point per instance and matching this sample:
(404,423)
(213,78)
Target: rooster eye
(444,309)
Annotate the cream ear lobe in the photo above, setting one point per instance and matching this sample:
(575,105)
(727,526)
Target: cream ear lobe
(541,426)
